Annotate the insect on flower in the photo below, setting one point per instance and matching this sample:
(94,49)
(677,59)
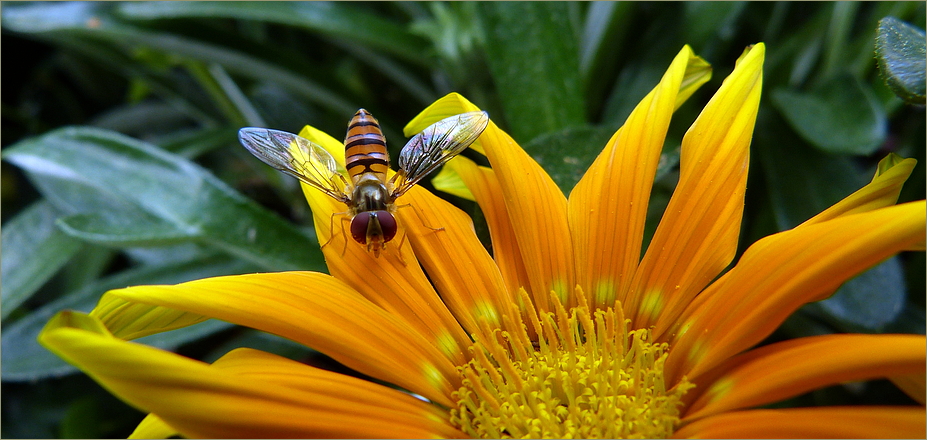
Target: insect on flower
(369,195)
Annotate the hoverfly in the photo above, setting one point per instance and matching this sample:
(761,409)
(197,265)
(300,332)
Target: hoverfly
(369,195)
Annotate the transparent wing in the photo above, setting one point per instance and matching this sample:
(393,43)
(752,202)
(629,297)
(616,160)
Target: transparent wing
(435,145)
(297,157)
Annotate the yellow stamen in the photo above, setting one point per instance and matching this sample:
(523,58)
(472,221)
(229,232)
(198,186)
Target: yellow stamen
(586,376)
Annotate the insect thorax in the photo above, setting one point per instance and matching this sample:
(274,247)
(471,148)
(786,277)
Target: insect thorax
(370,195)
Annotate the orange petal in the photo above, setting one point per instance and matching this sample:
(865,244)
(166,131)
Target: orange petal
(697,236)
(913,385)
(537,209)
(883,191)
(779,371)
(394,280)
(321,312)
(779,274)
(200,401)
(608,206)
(266,367)
(457,263)
(534,203)
(824,422)
(484,186)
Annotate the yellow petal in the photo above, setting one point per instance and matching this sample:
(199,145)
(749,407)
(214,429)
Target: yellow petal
(608,206)
(321,312)
(153,427)
(779,274)
(697,236)
(200,401)
(129,320)
(330,144)
(883,191)
(447,180)
(822,422)
(779,371)
(457,263)
(698,72)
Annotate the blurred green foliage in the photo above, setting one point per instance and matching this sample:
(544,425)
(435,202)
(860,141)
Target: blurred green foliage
(121,164)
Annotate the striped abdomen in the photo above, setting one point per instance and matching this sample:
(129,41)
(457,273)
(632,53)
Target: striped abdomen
(365,148)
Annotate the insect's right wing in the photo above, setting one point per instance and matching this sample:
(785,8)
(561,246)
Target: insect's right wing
(435,145)
(298,157)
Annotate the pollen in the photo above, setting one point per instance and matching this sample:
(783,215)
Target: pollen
(583,375)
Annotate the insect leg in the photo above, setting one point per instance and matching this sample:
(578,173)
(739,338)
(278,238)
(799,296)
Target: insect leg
(331,229)
(399,249)
(419,215)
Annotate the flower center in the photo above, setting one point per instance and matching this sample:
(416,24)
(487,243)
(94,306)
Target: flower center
(586,376)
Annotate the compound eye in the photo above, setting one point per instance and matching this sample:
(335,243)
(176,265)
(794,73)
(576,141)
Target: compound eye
(359,227)
(387,225)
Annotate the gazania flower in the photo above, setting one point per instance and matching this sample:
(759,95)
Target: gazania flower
(564,331)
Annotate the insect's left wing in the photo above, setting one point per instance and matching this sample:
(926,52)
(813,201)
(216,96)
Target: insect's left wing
(298,157)
(435,145)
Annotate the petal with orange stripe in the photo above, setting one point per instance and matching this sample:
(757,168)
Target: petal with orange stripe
(484,186)
(457,263)
(780,273)
(882,191)
(823,422)
(535,205)
(538,211)
(321,312)
(697,236)
(608,206)
(779,371)
(200,401)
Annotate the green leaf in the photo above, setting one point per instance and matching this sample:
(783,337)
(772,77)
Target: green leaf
(902,54)
(802,181)
(835,54)
(841,116)
(567,154)
(706,21)
(23,359)
(533,55)
(82,419)
(870,301)
(143,119)
(910,320)
(75,23)
(191,144)
(133,187)
(33,250)
(123,229)
(334,19)
(91,263)
(606,29)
